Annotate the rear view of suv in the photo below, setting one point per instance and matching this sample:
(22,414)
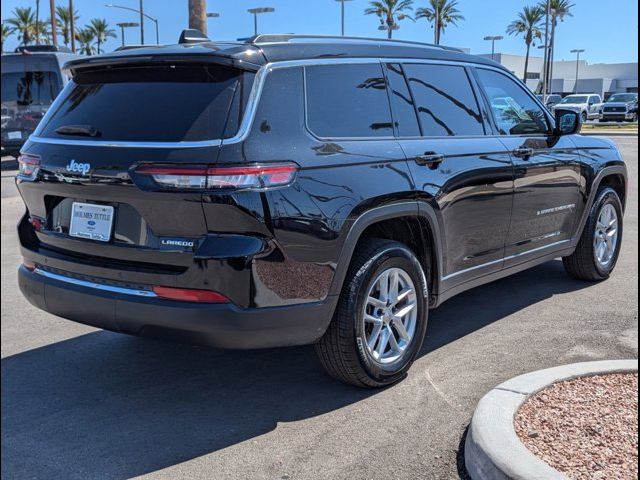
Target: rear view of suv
(303,190)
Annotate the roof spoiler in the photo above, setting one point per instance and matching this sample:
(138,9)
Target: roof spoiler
(191,35)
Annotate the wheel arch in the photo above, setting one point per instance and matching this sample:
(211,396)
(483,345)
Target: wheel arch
(616,177)
(414,223)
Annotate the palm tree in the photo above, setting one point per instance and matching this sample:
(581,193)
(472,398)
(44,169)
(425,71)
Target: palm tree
(559,10)
(101,31)
(23,22)
(42,33)
(7,31)
(441,13)
(390,12)
(528,24)
(64,21)
(86,38)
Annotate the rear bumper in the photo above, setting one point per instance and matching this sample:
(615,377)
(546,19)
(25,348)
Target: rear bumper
(616,117)
(223,326)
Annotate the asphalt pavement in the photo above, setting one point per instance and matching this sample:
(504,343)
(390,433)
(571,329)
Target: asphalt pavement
(80,403)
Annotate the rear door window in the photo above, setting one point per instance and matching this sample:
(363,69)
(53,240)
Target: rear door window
(29,88)
(446,102)
(170,103)
(348,101)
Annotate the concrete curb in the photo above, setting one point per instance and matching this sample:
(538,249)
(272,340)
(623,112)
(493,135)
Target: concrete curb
(493,450)
(609,133)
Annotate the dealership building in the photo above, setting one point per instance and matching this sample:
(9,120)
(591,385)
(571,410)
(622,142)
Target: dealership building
(604,79)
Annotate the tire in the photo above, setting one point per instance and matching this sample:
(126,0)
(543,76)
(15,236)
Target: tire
(584,117)
(584,263)
(343,350)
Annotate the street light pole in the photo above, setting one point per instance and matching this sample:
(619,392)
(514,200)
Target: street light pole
(141,23)
(153,19)
(493,40)
(342,2)
(126,25)
(257,11)
(577,51)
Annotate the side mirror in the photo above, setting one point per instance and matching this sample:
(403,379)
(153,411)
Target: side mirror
(568,122)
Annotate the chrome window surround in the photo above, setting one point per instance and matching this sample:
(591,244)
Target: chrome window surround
(252,105)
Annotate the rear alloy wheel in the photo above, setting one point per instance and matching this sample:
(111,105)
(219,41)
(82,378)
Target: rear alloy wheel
(381,318)
(597,252)
(585,117)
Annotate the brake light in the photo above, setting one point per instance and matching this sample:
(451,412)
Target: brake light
(189,295)
(28,166)
(249,177)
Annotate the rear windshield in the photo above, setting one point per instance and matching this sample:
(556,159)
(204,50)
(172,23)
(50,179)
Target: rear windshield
(170,103)
(28,88)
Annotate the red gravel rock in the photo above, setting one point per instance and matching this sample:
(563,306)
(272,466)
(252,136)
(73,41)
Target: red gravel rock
(586,428)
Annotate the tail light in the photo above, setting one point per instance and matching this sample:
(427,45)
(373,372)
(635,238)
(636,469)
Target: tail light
(188,295)
(250,177)
(28,166)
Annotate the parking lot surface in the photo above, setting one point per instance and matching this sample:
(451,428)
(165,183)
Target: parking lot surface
(83,403)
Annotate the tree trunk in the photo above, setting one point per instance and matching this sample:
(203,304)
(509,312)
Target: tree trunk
(54,25)
(526,63)
(198,15)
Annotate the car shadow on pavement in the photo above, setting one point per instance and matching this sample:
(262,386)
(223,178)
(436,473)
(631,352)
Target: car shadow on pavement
(481,306)
(104,405)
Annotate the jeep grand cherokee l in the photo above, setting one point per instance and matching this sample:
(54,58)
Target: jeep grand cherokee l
(301,190)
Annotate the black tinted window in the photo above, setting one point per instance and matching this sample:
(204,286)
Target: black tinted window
(348,101)
(404,110)
(166,103)
(446,102)
(515,111)
(28,88)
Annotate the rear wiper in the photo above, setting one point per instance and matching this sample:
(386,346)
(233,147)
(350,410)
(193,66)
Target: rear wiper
(83,130)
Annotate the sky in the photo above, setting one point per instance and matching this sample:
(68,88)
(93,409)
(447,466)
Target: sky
(607,30)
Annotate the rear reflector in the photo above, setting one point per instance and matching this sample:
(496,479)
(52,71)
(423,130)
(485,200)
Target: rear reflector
(29,265)
(187,295)
(250,177)
(28,166)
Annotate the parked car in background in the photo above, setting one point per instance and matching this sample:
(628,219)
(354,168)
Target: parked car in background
(620,107)
(586,105)
(31,79)
(552,99)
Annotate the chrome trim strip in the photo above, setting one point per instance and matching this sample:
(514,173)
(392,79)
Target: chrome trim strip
(510,257)
(97,286)
(124,143)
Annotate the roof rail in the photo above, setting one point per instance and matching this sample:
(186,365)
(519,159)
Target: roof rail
(288,37)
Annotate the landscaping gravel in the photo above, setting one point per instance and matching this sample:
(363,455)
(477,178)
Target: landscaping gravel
(585,428)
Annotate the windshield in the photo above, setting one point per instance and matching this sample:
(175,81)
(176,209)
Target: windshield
(28,88)
(623,97)
(575,99)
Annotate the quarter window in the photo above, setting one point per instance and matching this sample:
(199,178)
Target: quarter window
(514,110)
(348,101)
(446,103)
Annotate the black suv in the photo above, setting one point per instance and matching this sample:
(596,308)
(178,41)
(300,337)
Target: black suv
(302,190)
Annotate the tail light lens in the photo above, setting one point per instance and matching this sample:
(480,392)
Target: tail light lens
(28,166)
(250,177)
(188,295)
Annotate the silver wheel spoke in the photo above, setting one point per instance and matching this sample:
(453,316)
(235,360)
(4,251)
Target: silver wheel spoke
(384,286)
(383,341)
(405,310)
(402,331)
(393,343)
(373,338)
(393,287)
(376,302)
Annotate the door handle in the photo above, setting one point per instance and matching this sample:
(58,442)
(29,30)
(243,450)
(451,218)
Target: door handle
(524,152)
(430,159)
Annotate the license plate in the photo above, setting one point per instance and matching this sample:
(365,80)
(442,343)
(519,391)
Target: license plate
(14,135)
(91,221)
